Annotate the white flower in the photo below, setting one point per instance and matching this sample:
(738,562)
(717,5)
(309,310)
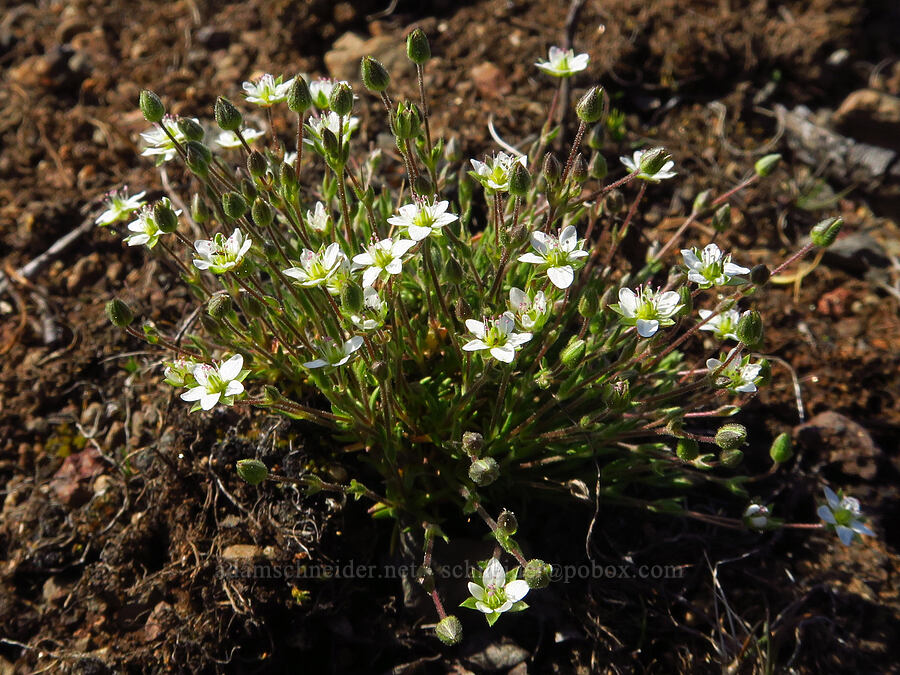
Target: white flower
(220,254)
(215,383)
(756,516)
(373,313)
(382,256)
(844,517)
(119,206)
(159,145)
(531,313)
(145,229)
(289,158)
(710,268)
(333,354)
(423,219)
(320,90)
(497,592)
(560,257)
(647,309)
(331,121)
(267,91)
(651,165)
(497,336)
(229,139)
(179,372)
(495,173)
(723,325)
(318,219)
(563,63)
(739,376)
(317,268)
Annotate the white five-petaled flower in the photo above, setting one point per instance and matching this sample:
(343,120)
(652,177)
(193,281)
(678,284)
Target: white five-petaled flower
(316,268)
(423,219)
(497,336)
(563,62)
(531,313)
(756,516)
(318,219)
(334,354)
(373,313)
(320,91)
(498,592)
(382,256)
(219,254)
(560,257)
(647,309)
(330,121)
(638,164)
(722,325)
(267,91)
(710,267)
(119,206)
(844,516)
(145,230)
(494,173)
(216,383)
(739,376)
(229,139)
(159,145)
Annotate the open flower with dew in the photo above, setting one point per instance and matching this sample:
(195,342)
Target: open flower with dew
(159,145)
(229,140)
(317,268)
(843,515)
(739,376)
(494,591)
(320,91)
(563,62)
(220,255)
(422,219)
(560,257)
(145,230)
(317,218)
(374,311)
(709,267)
(647,309)
(119,206)
(722,325)
(217,383)
(494,174)
(497,336)
(531,313)
(334,354)
(382,256)
(267,91)
(650,165)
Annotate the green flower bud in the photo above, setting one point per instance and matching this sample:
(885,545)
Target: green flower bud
(589,303)
(703,201)
(721,219)
(595,137)
(453,271)
(731,458)
(352,297)
(252,471)
(687,449)
(417,48)
(750,329)
(598,168)
(766,165)
(825,232)
(573,353)
(165,217)
(341,101)
(551,169)
(537,573)
(507,522)
(257,164)
(374,75)
(119,313)
(234,205)
(218,306)
(271,394)
(449,630)
(590,108)
(262,213)
(781,450)
(731,436)
(298,96)
(579,169)
(614,201)
(760,275)
(472,443)
(152,107)
(654,160)
(288,175)
(248,190)
(519,234)
(422,184)
(519,180)
(407,123)
(484,471)
(199,209)
(190,128)
(197,157)
(228,117)
(330,144)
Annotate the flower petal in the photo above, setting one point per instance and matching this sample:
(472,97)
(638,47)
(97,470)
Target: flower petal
(493,575)
(826,514)
(516,590)
(647,328)
(561,277)
(231,368)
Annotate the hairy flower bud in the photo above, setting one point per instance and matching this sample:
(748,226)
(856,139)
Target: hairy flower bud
(248,190)
(352,297)
(407,123)
(579,169)
(417,48)
(234,205)
(595,137)
(165,217)
(374,75)
(507,522)
(731,458)
(826,231)
(197,157)
(257,164)
(449,630)
(252,471)
(218,306)
(472,443)
(484,471)
(551,169)
(598,168)
(152,107)
(721,219)
(190,128)
(687,449)
(380,370)
(262,213)
(590,108)
(519,180)
(654,160)
(731,436)
(617,395)
(589,303)
(119,313)
(614,201)
(781,449)
(750,329)
(702,201)
(766,165)
(341,102)
(228,117)
(330,144)
(462,309)
(573,353)
(537,573)
(298,96)
(453,271)
(199,209)
(760,275)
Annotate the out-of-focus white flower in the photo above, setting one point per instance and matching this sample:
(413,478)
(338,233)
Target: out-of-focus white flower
(334,354)
(145,230)
(318,219)
(722,325)
(563,63)
(330,121)
(739,376)
(651,165)
(423,219)
(710,267)
(647,309)
(559,257)
(267,91)
(531,313)
(756,516)
(496,591)
(180,372)
(316,268)
(497,336)
(382,256)
(229,139)
(374,311)
(119,206)
(159,145)
(494,174)
(320,91)
(220,254)
(843,515)
(215,383)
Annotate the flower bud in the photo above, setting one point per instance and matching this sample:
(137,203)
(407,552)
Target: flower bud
(352,297)
(262,213)
(654,160)
(721,219)
(407,123)
(199,209)
(573,353)
(271,394)
(341,101)
(595,137)
(422,184)
(766,165)
(551,169)
(590,108)
(248,190)
(449,630)
(453,271)
(417,48)
(537,573)
(781,450)
(760,275)
(484,471)
(218,306)
(119,313)
(472,443)
(234,205)
(614,201)
(165,217)
(507,522)
(374,75)
(756,517)
(462,309)
(687,449)
(197,157)
(825,232)
(731,458)
(330,144)
(702,201)
(380,370)
(750,328)
(257,164)
(519,180)
(289,175)
(731,436)
(190,128)
(253,306)
(617,395)
(598,168)
(252,471)
(589,303)
(228,117)
(579,169)
(152,107)
(298,96)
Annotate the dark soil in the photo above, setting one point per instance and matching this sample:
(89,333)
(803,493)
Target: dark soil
(120,510)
